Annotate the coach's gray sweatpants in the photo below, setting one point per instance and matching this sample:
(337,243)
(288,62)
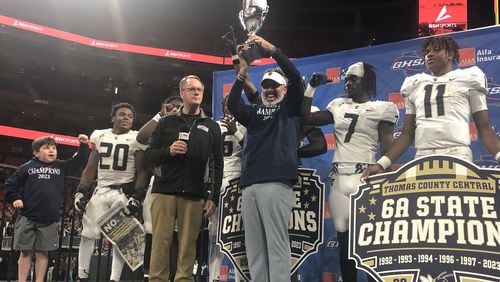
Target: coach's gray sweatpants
(266,209)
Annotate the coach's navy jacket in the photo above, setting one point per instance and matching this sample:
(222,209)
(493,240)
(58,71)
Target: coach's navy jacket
(41,186)
(184,174)
(270,153)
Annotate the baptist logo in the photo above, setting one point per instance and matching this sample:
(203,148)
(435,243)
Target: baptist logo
(397,99)
(493,89)
(333,74)
(226,88)
(410,63)
(467,57)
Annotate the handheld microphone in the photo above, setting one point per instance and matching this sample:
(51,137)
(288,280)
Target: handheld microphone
(184,133)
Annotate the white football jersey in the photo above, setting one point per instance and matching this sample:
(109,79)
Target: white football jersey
(232,148)
(442,106)
(117,161)
(356,128)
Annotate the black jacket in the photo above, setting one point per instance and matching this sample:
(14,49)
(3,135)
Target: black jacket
(185,175)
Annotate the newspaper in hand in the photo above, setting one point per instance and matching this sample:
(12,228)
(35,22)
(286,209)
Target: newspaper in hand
(125,233)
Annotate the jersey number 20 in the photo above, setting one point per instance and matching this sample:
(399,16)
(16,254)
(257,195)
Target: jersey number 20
(120,154)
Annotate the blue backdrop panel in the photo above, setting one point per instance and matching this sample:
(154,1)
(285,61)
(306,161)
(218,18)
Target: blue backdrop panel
(393,62)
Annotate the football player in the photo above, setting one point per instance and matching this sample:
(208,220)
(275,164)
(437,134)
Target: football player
(360,125)
(116,156)
(439,106)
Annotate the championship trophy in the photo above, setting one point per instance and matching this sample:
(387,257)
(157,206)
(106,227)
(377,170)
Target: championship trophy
(252,16)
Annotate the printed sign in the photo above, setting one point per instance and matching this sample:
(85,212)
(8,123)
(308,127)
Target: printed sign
(434,219)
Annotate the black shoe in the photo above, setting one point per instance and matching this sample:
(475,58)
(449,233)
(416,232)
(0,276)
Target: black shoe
(83,280)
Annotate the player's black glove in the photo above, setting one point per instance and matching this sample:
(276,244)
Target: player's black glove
(230,40)
(82,198)
(134,203)
(318,79)
(134,206)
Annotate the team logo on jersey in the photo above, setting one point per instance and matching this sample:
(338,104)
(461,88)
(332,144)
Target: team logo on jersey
(467,57)
(305,226)
(409,62)
(434,219)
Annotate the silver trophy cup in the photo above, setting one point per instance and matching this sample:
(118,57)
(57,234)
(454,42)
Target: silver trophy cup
(252,16)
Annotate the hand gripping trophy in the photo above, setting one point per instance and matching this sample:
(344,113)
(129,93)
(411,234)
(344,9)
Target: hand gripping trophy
(251,17)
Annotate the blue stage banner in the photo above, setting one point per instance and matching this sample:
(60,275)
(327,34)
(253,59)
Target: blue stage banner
(393,62)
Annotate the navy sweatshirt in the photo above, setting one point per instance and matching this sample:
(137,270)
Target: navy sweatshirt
(40,186)
(273,132)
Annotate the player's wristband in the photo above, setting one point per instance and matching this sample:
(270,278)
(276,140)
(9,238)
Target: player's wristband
(157,117)
(236,59)
(309,93)
(497,157)
(241,77)
(384,162)
(238,136)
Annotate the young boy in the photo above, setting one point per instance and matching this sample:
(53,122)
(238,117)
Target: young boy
(36,190)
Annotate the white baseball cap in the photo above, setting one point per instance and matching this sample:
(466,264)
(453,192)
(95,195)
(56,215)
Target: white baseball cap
(274,76)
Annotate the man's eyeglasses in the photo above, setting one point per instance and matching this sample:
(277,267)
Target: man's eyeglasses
(193,89)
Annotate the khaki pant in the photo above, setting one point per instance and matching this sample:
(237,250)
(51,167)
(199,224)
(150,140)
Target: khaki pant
(165,209)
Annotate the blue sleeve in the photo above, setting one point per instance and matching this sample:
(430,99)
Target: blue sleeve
(79,159)
(13,185)
(238,109)
(296,86)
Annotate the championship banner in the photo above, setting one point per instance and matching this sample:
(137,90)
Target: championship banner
(305,226)
(434,219)
(125,233)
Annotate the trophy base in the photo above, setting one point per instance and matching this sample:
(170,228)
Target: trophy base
(251,51)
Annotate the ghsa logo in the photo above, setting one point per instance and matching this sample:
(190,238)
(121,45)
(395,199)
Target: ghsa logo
(493,89)
(410,63)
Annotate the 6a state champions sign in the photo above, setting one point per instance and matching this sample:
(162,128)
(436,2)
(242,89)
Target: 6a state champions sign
(305,226)
(434,219)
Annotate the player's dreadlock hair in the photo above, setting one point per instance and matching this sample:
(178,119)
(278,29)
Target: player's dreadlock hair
(115,108)
(444,42)
(370,79)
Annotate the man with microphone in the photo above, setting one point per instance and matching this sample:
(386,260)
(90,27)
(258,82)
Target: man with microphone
(187,147)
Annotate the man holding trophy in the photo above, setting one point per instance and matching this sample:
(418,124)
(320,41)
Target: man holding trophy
(269,162)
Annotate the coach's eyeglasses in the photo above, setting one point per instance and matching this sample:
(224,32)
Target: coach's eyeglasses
(193,89)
